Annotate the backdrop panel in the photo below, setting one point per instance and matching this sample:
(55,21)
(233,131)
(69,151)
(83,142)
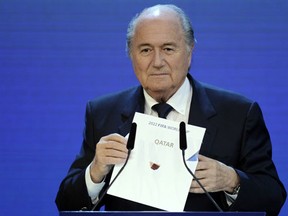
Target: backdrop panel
(56,55)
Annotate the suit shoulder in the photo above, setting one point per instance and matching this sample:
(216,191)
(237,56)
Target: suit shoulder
(230,105)
(113,100)
(224,95)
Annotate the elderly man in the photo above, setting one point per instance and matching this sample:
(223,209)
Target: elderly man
(235,164)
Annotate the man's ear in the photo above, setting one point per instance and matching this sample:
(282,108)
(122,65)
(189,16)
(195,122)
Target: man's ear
(191,50)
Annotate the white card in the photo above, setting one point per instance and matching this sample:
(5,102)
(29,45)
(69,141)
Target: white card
(155,174)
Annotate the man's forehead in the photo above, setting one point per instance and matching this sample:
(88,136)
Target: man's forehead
(158,31)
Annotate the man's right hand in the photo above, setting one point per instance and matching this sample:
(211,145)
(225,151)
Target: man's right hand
(110,150)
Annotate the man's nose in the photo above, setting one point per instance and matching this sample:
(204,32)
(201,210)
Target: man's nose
(158,59)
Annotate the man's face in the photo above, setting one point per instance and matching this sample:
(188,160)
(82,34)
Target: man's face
(160,56)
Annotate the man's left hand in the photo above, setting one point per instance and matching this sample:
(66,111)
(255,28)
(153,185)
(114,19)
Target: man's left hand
(214,176)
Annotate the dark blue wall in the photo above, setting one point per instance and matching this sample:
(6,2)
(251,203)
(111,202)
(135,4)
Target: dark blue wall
(57,54)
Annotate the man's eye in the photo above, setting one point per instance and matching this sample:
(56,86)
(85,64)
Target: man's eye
(168,49)
(145,50)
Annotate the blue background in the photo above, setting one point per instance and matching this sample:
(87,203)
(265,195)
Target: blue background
(55,55)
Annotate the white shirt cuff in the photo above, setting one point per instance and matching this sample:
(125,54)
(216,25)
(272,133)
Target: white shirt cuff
(92,188)
(230,198)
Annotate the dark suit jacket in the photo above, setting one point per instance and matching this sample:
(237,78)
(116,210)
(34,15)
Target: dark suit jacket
(235,135)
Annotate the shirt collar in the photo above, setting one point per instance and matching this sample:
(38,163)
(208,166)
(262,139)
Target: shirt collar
(178,101)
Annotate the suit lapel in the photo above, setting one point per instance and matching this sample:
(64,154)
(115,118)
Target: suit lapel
(134,103)
(201,112)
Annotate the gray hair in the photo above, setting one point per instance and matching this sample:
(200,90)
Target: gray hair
(184,19)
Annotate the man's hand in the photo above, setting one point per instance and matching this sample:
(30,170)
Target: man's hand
(214,176)
(110,150)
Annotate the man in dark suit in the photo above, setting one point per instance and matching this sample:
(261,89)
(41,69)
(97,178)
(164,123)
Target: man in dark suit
(235,164)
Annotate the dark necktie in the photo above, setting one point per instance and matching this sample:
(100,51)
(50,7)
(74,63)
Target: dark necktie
(162,109)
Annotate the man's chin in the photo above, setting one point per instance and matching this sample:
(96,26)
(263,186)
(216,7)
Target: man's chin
(160,94)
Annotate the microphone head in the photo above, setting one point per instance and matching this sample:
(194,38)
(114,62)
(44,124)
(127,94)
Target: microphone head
(182,136)
(132,135)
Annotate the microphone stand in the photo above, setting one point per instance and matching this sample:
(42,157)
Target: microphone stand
(183,147)
(130,146)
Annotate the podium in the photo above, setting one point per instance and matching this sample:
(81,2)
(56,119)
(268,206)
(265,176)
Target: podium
(136,213)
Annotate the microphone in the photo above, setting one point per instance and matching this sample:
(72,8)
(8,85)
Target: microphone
(183,147)
(131,139)
(129,146)
(182,137)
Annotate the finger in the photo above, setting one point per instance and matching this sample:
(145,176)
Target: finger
(203,158)
(206,183)
(115,153)
(112,141)
(111,154)
(201,174)
(113,160)
(108,160)
(206,163)
(203,165)
(116,146)
(196,188)
(115,138)
(202,162)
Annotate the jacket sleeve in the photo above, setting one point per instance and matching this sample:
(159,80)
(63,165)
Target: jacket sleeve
(261,189)
(72,193)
